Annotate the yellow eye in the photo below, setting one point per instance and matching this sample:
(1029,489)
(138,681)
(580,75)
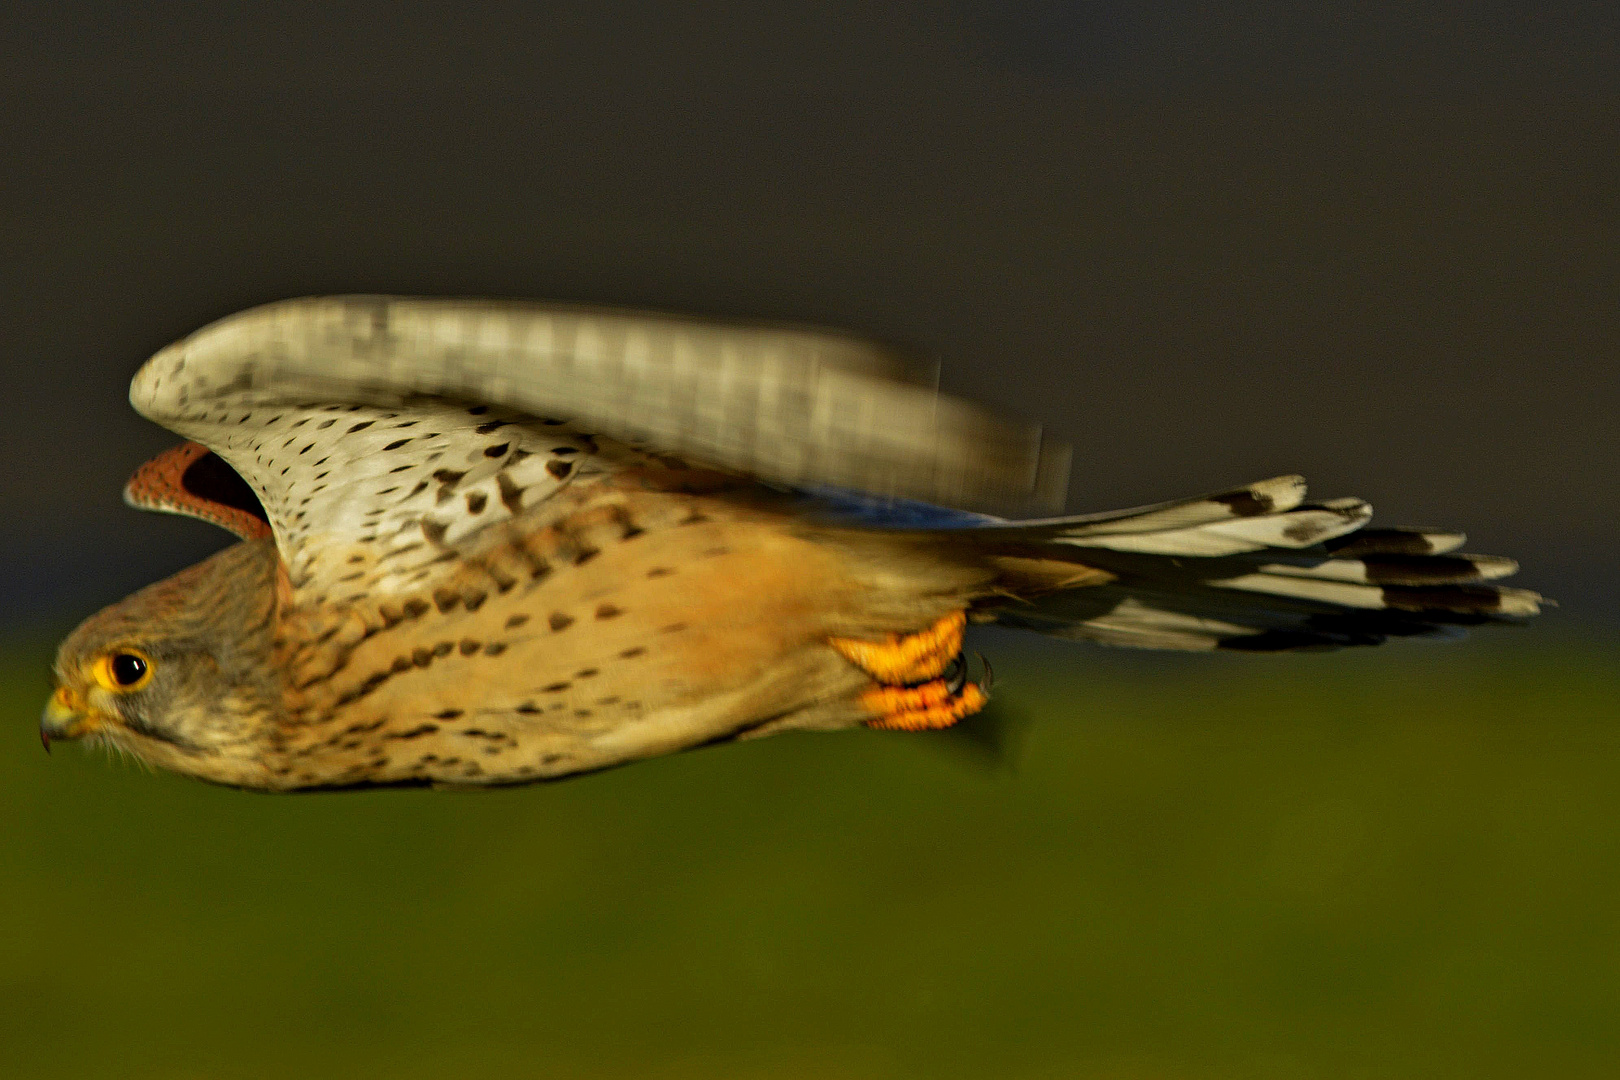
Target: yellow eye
(123,671)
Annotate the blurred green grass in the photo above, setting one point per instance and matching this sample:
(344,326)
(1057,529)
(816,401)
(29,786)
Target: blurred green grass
(1398,863)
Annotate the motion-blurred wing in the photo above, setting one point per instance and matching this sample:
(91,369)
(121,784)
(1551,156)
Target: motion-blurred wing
(790,406)
(377,433)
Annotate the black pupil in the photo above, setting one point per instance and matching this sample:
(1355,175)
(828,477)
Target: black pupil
(127,669)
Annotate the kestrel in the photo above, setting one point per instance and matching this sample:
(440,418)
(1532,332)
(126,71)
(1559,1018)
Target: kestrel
(490,543)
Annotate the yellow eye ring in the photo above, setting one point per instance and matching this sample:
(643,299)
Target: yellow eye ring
(123,671)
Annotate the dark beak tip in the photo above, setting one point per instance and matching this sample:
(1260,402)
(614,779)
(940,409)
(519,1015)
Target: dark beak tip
(45,739)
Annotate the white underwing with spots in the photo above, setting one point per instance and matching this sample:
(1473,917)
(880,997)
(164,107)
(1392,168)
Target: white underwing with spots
(368,499)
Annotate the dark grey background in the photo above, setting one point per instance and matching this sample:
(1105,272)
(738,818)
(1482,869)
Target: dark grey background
(1204,245)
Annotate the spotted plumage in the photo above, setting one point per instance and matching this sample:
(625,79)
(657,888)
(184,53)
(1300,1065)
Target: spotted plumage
(495,543)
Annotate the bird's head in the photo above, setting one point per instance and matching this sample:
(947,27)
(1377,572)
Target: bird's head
(180,675)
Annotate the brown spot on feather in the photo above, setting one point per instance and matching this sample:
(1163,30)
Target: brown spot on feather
(511,494)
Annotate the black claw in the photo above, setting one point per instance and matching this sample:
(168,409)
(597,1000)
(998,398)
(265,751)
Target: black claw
(989,679)
(45,739)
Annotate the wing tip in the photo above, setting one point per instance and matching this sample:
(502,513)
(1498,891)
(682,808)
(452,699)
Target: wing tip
(191,481)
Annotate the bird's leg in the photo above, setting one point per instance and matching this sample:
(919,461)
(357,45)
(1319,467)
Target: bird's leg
(921,678)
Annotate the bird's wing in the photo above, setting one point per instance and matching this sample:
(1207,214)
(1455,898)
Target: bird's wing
(410,424)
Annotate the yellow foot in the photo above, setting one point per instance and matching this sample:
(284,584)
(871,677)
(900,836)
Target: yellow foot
(921,678)
(928,707)
(915,658)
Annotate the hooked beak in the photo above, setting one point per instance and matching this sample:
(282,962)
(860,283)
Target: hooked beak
(66,717)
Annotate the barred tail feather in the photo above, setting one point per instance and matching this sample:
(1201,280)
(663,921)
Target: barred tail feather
(1256,569)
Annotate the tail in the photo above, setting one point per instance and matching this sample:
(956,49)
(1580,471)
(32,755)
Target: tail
(1256,569)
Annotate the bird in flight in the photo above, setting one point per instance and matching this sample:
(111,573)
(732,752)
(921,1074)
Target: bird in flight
(489,543)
